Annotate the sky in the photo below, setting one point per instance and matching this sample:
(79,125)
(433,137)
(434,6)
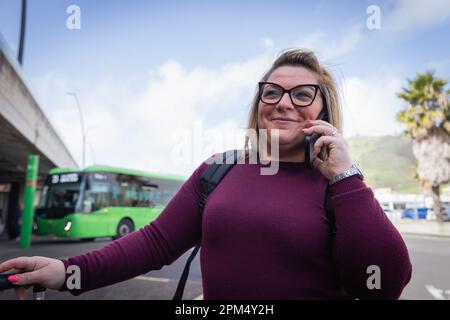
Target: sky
(160,79)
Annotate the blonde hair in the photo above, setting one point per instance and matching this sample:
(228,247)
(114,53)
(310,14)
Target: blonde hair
(328,87)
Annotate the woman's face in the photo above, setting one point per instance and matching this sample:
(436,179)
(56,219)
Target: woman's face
(284,116)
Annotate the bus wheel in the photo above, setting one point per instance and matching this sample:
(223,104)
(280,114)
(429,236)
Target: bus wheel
(125,227)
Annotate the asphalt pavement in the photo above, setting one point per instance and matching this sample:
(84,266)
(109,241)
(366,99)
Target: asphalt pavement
(155,285)
(430,258)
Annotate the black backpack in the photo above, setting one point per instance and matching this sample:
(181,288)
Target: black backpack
(210,178)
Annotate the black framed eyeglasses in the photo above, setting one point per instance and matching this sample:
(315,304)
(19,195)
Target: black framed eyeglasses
(301,96)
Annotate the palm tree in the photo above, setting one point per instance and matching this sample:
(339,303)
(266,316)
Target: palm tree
(427,120)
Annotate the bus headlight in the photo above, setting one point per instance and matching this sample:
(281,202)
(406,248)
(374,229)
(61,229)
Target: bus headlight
(67,226)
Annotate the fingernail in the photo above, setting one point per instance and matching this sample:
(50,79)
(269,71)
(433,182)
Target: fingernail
(13,278)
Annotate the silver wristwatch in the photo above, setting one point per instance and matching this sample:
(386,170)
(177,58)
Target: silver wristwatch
(348,173)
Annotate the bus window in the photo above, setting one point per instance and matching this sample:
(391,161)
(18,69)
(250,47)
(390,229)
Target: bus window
(120,190)
(125,190)
(132,192)
(146,195)
(44,197)
(167,189)
(98,192)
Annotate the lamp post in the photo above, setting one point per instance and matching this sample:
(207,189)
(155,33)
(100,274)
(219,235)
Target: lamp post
(89,143)
(83,131)
(22,31)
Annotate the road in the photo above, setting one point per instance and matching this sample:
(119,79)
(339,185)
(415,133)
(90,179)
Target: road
(430,257)
(156,285)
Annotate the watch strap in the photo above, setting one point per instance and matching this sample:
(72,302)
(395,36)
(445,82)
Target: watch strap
(354,170)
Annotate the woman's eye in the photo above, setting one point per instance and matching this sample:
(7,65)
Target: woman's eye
(272,93)
(303,94)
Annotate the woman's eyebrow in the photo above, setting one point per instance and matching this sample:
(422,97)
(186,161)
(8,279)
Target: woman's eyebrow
(293,86)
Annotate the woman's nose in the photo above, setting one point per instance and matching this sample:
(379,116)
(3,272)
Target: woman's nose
(285,102)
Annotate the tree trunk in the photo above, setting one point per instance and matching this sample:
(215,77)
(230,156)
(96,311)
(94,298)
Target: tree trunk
(437,207)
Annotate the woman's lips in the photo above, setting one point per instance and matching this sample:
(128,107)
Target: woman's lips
(281,121)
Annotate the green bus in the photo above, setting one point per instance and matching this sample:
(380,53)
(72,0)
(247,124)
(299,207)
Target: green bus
(101,201)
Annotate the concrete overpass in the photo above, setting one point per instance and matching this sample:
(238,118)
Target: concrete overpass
(24,130)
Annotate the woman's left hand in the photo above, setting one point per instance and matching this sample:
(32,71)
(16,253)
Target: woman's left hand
(339,159)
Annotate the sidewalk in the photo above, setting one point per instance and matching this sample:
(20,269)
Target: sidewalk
(422,227)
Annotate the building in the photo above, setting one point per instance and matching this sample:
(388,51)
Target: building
(24,130)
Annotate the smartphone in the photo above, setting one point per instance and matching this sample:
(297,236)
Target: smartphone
(311,139)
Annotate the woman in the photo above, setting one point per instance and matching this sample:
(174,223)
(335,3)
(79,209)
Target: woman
(265,236)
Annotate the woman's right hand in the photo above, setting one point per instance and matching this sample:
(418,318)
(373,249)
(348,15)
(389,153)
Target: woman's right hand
(49,273)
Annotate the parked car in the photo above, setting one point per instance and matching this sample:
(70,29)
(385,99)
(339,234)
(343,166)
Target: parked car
(415,213)
(446,211)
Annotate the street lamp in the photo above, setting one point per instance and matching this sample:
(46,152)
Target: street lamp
(83,131)
(22,31)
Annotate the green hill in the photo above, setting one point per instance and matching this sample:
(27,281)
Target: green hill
(386,161)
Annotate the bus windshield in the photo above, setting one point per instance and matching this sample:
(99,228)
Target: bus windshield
(60,195)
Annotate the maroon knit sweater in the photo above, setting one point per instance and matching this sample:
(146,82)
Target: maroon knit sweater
(265,237)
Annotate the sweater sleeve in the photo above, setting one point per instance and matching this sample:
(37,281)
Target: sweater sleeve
(367,244)
(176,230)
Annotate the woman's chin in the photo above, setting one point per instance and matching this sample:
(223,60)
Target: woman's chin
(287,139)
(285,145)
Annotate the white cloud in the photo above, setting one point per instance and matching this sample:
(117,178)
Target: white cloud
(416,14)
(438,64)
(370,106)
(328,46)
(268,43)
(140,128)
(136,129)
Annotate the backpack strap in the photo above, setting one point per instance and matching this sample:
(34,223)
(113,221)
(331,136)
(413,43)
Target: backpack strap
(210,178)
(213,174)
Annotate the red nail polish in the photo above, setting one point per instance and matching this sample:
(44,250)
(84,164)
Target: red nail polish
(13,278)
